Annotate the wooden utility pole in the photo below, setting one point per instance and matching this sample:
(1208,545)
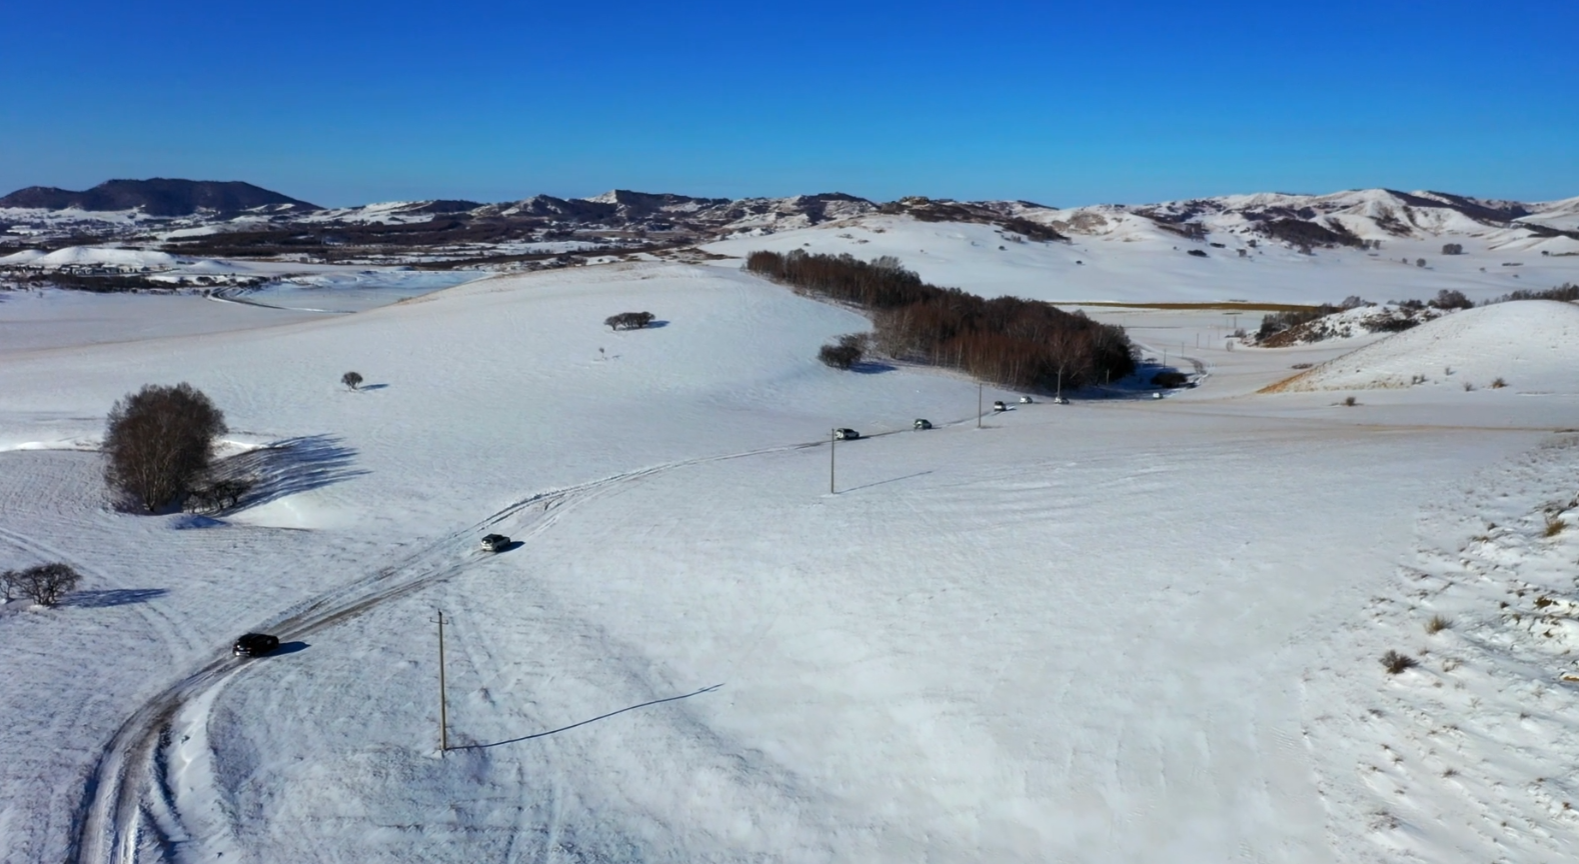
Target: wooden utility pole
(833,444)
(979,386)
(444,711)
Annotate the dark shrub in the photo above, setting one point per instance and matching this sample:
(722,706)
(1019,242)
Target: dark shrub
(1018,343)
(1170,379)
(159,440)
(351,379)
(1446,299)
(1396,662)
(1452,249)
(839,356)
(1199,253)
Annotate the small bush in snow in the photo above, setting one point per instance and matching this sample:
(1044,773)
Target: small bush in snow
(1498,383)
(44,584)
(1350,401)
(1419,262)
(159,441)
(351,379)
(629,320)
(1554,524)
(1469,386)
(1396,662)
(1452,249)
(1437,624)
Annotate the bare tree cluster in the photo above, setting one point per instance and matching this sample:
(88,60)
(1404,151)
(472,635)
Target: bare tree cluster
(1452,248)
(1022,344)
(846,352)
(159,442)
(45,584)
(628,320)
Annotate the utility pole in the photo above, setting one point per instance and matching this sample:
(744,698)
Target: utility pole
(979,385)
(444,711)
(833,444)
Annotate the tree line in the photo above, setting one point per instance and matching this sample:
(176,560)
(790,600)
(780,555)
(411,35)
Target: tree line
(1020,344)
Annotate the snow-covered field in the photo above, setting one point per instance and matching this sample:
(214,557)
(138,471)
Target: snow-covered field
(1119,630)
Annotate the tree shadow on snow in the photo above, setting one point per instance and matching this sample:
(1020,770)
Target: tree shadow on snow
(372,386)
(871,367)
(289,467)
(112,597)
(587,721)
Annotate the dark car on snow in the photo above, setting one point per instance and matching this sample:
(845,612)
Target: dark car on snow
(255,645)
(495,543)
(846,434)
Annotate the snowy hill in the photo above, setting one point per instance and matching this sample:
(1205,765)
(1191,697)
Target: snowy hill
(1116,630)
(1532,346)
(157,197)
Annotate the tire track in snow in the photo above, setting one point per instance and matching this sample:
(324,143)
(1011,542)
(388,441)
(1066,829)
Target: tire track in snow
(113,821)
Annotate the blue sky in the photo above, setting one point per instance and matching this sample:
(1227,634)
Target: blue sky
(1061,103)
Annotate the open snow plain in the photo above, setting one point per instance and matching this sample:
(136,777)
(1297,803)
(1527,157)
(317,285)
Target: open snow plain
(1119,630)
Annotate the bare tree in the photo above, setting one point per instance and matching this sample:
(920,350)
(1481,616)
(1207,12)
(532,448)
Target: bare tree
(44,584)
(159,441)
(351,379)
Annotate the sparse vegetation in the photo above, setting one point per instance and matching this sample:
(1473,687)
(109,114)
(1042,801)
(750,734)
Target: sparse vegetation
(1350,401)
(1567,293)
(628,320)
(352,380)
(1554,524)
(1452,249)
(1396,663)
(1021,344)
(1447,299)
(1498,383)
(158,442)
(44,584)
(1437,624)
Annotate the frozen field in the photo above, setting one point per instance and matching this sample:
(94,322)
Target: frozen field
(1119,630)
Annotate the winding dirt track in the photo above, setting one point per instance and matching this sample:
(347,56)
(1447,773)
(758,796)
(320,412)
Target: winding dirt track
(115,818)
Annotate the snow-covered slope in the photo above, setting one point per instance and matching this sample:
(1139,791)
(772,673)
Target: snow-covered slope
(1531,346)
(1114,630)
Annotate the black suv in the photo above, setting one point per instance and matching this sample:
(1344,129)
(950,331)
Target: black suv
(846,434)
(255,645)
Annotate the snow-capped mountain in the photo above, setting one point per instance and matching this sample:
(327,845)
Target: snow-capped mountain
(239,220)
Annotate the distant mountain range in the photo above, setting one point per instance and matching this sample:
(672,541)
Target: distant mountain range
(234,219)
(157,197)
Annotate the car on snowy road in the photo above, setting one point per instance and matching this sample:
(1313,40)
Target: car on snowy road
(255,645)
(846,434)
(495,543)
